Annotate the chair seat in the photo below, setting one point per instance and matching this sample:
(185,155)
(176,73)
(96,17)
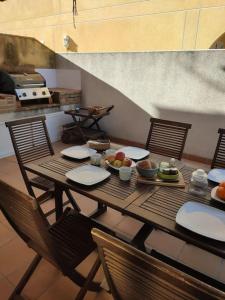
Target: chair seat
(42,183)
(67,232)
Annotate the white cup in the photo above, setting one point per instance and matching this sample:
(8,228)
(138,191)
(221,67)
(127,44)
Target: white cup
(96,159)
(125,173)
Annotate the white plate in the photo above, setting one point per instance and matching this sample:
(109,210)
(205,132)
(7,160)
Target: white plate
(215,197)
(217,175)
(87,175)
(117,169)
(134,152)
(202,219)
(78,152)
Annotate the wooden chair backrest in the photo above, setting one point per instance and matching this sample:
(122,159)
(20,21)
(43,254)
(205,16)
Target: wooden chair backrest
(167,137)
(65,244)
(134,275)
(219,155)
(25,216)
(30,139)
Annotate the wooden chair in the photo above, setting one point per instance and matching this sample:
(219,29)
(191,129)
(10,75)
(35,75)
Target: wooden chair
(167,137)
(65,244)
(134,275)
(219,156)
(31,141)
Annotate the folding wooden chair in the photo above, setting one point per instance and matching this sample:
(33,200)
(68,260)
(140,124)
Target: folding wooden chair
(31,141)
(134,275)
(65,244)
(167,137)
(219,156)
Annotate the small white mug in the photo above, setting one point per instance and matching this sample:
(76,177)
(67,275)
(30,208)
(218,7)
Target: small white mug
(96,159)
(125,173)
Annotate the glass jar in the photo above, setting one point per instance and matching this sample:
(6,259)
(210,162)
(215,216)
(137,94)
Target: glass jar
(199,183)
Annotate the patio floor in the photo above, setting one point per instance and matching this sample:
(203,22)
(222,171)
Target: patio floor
(47,283)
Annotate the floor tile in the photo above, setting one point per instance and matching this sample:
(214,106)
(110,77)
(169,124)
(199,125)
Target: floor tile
(103,295)
(44,276)
(85,267)
(62,289)
(164,243)
(5,222)
(110,218)
(6,234)
(128,228)
(6,289)
(200,260)
(86,205)
(13,255)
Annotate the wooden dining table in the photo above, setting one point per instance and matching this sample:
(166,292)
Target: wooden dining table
(156,206)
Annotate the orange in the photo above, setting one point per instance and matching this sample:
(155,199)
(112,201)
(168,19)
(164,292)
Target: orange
(222,184)
(220,192)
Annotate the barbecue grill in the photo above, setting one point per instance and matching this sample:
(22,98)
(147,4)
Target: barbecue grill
(25,86)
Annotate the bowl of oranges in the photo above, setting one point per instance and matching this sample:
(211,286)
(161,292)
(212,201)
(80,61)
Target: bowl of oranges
(218,192)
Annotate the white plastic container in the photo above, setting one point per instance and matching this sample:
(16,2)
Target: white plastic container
(199,183)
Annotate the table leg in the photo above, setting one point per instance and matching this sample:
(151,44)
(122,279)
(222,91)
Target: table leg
(101,209)
(139,239)
(58,201)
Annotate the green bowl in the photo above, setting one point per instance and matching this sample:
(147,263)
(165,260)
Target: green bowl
(168,177)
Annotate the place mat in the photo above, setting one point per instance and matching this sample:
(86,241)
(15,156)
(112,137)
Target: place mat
(158,181)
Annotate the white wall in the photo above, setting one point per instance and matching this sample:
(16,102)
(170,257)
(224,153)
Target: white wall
(63,78)
(49,75)
(181,86)
(54,122)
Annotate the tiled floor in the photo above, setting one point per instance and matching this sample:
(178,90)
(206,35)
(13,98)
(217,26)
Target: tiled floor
(47,283)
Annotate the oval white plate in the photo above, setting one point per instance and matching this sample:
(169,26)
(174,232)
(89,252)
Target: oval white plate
(217,175)
(134,152)
(133,165)
(78,152)
(215,197)
(87,175)
(202,219)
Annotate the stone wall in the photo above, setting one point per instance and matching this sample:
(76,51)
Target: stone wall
(24,54)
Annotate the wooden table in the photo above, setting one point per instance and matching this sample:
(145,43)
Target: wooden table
(155,206)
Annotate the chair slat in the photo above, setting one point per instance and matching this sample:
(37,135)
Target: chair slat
(219,155)
(30,141)
(167,137)
(132,274)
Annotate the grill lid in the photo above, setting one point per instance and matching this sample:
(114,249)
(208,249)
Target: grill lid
(10,82)
(27,80)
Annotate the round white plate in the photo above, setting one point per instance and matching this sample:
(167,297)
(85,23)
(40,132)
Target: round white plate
(215,197)
(134,152)
(87,175)
(217,175)
(202,219)
(78,152)
(117,169)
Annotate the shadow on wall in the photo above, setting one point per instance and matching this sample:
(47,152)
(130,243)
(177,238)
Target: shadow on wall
(126,121)
(185,87)
(219,42)
(202,137)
